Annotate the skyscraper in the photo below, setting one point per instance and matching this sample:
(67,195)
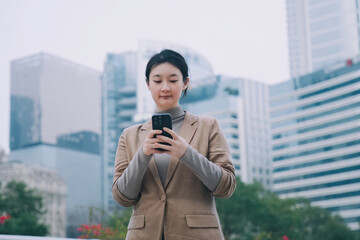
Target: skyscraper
(321,33)
(51,97)
(241,108)
(117,111)
(55,123)
(316,139)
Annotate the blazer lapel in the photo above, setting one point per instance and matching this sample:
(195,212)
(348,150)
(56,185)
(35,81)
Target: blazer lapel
(154,171)
(187,132)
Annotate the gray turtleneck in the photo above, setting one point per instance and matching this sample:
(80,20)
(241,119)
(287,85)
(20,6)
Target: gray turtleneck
(129,183)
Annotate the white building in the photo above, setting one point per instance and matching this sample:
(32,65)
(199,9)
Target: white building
(81,171)
(241,108)
(321,32)
(48,184)
(316,139)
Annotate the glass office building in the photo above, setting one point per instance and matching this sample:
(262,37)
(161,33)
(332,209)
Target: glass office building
(118,109)
(241,108)
(51,97)
(55,123)
(316,139)
(321,33)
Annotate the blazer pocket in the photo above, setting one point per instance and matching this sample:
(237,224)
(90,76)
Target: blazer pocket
(136,222)
(202,221)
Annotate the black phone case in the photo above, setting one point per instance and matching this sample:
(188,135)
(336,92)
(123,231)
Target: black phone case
(159,121)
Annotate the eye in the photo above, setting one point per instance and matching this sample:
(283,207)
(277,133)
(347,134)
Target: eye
(173,81)
(157,81)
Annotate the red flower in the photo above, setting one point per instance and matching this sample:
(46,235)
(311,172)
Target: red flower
(3,218)
(85,227)
(285,237)
(96,233)
(96,227)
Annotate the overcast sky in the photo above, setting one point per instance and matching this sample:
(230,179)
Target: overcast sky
(239,37)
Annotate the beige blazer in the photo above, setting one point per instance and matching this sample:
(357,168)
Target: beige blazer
(184,209)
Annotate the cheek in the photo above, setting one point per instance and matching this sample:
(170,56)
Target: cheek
(180,89)
(155,92)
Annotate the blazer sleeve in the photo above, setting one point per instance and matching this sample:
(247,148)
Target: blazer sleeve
(219,153)
(121,163)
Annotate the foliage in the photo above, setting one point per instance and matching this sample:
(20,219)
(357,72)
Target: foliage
(253,213)
(120,220)
(25,208)
(115,229)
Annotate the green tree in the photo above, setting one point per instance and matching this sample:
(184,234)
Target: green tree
(235,213)
(253,213)
(25,208)
(120,219)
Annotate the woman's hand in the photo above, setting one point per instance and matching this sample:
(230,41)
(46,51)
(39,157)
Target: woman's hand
(178,145)
(150,144)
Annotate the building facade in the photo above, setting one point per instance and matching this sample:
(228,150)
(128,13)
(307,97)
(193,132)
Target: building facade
(47,184)
(240,106)
(80,170)
(315,139)
(118,108)
(321,33)
(55,124)
(50,97)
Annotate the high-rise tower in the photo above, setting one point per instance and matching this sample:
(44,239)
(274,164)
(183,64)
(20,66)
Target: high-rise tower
(55,124)
(316,139)
(321,33)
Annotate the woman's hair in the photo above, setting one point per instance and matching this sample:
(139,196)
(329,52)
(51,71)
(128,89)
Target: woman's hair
(168,56)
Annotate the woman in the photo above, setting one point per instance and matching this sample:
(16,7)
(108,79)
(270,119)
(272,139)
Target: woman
(172,192)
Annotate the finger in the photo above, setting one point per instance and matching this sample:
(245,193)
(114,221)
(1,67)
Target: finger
(153,140)
(165,139)
(171,132)
(153,132)
(163,146)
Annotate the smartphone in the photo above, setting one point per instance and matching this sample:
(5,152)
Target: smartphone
(159,121)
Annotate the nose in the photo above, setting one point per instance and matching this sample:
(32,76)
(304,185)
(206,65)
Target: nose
(165,86)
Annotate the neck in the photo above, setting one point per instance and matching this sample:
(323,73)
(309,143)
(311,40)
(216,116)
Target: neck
(159,109)
(175,112)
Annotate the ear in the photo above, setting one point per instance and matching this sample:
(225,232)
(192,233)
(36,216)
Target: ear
(147,83)
(185,86)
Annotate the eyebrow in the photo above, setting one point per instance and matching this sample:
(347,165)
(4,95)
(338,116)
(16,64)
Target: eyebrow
(171,75)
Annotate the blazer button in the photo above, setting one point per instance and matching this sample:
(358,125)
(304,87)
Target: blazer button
(163,198)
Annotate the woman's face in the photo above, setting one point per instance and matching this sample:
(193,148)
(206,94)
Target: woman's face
(166,85)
